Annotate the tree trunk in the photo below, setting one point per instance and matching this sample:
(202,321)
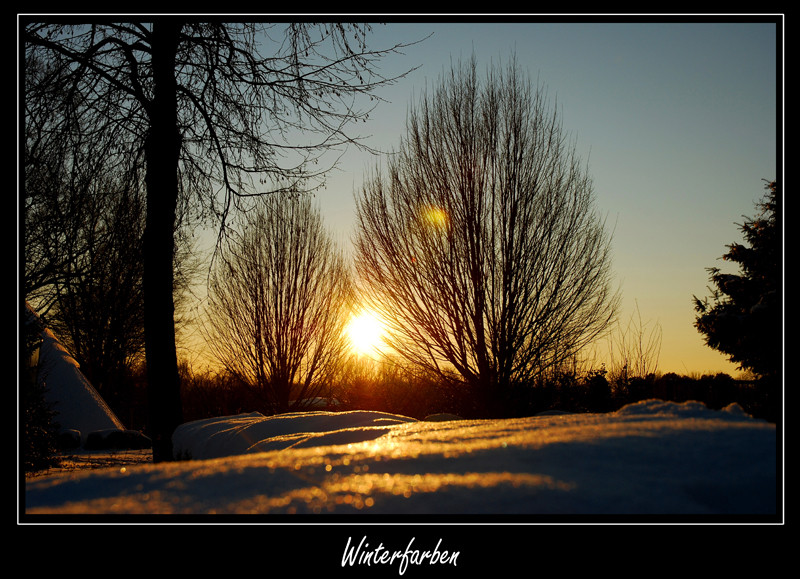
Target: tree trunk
(162,152)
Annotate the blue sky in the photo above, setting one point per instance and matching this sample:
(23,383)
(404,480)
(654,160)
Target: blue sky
(677,122)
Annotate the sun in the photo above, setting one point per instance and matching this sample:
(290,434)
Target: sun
(365,332)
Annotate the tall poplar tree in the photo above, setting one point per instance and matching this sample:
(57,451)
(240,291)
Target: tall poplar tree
(480,247)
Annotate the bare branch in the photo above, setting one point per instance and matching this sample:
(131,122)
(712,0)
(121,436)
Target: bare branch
(278,303)
(480,246)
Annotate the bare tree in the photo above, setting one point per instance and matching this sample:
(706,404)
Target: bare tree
(84,215)
(278,303)
(635,349)
(84,212)
(71,174)
(218,112)
(98,305)
(480,247)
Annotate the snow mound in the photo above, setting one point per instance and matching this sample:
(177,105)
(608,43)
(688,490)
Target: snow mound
(249,433)
(79,406)
(690,409)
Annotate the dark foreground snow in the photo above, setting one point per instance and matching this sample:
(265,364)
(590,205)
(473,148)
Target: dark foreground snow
(649,458)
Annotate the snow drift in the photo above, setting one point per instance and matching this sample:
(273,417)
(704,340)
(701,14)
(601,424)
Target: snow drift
(80,407)
(247,433)
(649,458)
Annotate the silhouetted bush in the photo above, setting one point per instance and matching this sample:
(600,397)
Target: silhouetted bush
(598,392)
(207,395)
(40,429)
(719,390)
(396,389)
(761,397)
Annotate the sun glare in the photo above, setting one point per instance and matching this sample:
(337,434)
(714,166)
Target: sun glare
(365,332)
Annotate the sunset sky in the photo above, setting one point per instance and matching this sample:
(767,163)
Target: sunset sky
(678,122)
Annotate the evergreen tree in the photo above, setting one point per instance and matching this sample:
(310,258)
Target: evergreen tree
(743,317)
(39,444)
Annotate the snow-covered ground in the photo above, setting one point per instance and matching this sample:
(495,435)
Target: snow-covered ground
(650,458)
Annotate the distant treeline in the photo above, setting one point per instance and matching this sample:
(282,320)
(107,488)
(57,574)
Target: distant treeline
(401,393)
(594,393)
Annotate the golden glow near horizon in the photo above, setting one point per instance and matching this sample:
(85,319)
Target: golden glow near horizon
(365,332)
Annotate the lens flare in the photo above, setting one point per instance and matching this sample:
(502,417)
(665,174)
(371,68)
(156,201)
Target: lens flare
(435,216)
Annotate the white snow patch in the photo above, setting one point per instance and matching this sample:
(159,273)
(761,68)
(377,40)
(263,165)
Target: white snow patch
(248,433)
(80,407)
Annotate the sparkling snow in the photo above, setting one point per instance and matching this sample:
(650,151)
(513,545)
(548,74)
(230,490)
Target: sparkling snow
(649,458)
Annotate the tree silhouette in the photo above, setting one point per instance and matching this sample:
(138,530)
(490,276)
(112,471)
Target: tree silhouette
(480,248)
(98,309)
(218,113)
(278,303)
(634,349)
(743,317)
(84,216)
(72,174)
